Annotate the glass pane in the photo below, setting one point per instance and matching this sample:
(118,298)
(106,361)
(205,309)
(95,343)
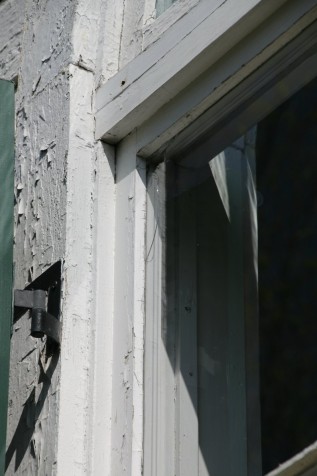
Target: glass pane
(205,310)
(261,190)
(287,217)
(162,5)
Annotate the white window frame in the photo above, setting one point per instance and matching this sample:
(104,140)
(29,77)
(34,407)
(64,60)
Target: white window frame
(208,49)
(165,453)
(211,68)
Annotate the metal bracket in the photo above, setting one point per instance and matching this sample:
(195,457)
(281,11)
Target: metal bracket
(42,297)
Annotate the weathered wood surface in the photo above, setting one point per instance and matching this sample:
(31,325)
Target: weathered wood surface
(154,83)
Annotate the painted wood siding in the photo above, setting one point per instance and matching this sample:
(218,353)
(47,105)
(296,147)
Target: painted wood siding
(6,248)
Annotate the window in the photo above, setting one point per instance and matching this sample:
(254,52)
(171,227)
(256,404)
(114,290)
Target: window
(206,332)
(210,76)
(206,353)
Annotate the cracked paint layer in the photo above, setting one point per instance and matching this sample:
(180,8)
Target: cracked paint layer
(36,47)
(57,51)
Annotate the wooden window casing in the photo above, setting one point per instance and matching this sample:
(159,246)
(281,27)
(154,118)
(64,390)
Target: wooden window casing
(205,81)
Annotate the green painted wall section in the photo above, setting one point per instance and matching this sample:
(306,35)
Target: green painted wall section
(162,5)
(6,248)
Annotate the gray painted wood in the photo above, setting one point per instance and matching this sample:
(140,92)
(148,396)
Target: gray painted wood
(160,388)
(250,253)
(187,369)
(212,324)
(236,325)
(217,247)
(131,97)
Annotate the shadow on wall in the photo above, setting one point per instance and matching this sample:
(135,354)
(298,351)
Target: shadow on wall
(31,412)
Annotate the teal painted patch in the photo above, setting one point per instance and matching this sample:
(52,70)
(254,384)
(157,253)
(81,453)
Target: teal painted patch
(162,5)
(6,248)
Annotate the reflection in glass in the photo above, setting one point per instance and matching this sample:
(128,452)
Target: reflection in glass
(205,308)
(162,5)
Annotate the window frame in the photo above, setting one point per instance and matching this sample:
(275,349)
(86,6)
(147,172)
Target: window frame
(193,68)
(169,391)
(152,120)
(303,463)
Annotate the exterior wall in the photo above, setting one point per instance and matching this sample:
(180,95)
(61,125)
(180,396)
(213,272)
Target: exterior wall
(57,52)
(84,203)
(37,44)
(48,51)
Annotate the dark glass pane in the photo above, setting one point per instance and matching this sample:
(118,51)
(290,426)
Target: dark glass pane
(287,216)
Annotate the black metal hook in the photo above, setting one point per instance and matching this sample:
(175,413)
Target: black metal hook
(42,297)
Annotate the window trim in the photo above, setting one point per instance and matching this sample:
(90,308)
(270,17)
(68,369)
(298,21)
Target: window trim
(254,98)
(198,42)
(148,123)
(301,59)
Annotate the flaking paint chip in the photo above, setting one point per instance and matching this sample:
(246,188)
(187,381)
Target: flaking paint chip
(21,208)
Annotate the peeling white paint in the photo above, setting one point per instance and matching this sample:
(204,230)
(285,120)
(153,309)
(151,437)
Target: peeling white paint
(83,204)
(11,35)
(104,289)
(61,409)
(76,356)
(139,318)
(34,49)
